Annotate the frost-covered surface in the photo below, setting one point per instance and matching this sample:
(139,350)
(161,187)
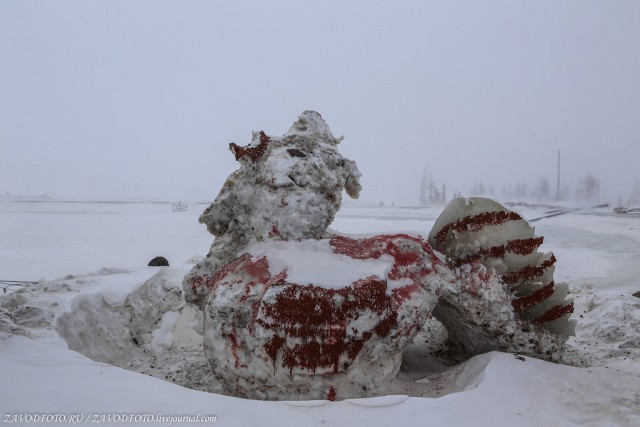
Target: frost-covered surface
(287,187)
(598,257)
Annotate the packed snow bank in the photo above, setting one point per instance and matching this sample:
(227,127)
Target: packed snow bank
(137,321)
(495,389)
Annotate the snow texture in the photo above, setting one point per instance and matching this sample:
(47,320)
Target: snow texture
(598,255)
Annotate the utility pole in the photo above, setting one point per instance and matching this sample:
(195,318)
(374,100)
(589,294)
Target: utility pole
(558,187)
(430,188)
(424,187)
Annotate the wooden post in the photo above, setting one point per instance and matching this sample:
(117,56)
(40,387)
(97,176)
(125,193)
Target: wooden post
(558,186)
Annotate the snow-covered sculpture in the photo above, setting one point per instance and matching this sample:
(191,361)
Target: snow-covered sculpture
(531,316)
(286,188)
(317,319)
(479,230)
(294,312)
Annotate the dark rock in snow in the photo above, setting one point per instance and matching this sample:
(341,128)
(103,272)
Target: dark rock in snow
(159,261)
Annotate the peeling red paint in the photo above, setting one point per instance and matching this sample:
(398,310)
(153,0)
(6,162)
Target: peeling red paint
(517,246)
(273,346)
(253,153)
(234,349)
(476,222)
(529,272)
(527,302)
(405,250)
(332,394)
(316,320)
(311,326)
(554,314)
(275,232)
(258,269)
(310,323)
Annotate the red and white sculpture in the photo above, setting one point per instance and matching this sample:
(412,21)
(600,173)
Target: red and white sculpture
(295,312)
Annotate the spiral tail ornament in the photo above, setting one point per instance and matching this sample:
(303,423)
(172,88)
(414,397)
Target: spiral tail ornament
(479,230)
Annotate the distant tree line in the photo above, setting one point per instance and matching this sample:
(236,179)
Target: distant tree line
(588,188)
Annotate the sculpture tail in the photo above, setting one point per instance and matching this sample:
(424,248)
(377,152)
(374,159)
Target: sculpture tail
(479,230)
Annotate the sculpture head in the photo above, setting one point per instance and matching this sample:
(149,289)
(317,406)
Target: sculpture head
(286,188)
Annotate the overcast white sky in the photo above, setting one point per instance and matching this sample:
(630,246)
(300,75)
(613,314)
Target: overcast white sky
(103,99)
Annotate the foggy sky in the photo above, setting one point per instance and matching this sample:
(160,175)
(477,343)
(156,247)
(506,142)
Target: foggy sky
(112,99)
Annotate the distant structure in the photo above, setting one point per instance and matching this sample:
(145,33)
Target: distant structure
(179,207)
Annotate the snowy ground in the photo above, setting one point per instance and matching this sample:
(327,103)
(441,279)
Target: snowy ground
(90,261)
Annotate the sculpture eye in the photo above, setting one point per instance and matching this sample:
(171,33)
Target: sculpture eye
(294,152)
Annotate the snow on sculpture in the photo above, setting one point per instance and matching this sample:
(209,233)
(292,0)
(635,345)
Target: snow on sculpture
(294,312)
(317,319)
(286,188)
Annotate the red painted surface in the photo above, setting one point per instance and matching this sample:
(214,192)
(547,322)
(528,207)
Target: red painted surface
(521,305)
(234,349)
(332,394)
(314,320)
(554,313)
(274,232)
(310,325)
(259,270)
(413,257)
(253,153)
(476,222)
(516,246)
(529,272)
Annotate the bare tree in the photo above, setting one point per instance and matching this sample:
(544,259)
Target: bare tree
(429,192)
(424,188)
(478,189)
(588,187)
(521,190)
(542,190)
